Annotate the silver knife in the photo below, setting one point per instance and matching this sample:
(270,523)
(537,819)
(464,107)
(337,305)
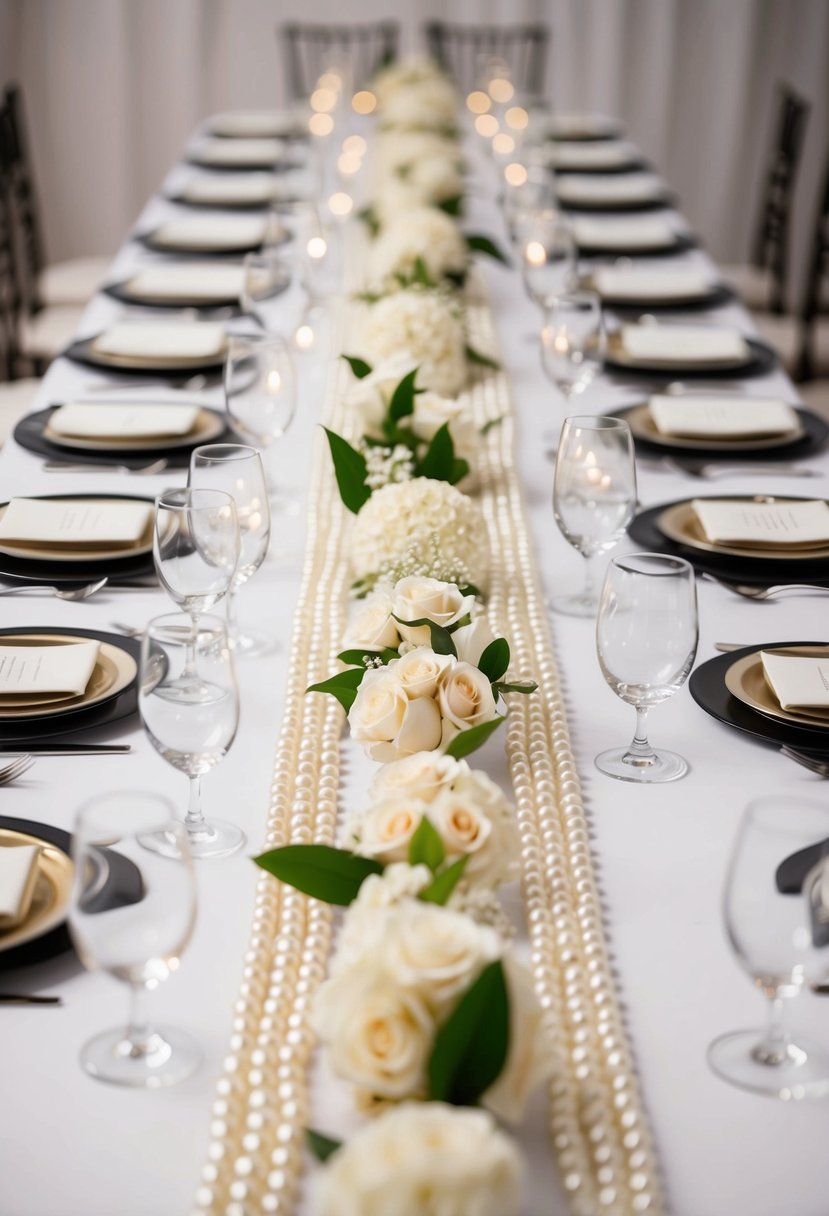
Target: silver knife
(20,746)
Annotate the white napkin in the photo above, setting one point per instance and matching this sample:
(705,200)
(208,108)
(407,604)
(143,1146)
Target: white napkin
(43,669)
(122,420)
(600,154)
(764,524)
(176,340)
(564,126)
(255,124)
(246,189)
(74,521)
(724,417)
(197,281)
(638,232)
(239,151)
(18,874)
(798,682)
(684,343)
(635,284)
(211,232)
(615,188)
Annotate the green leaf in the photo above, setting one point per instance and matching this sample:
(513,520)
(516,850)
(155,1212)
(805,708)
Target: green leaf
(452,206)
(321,1146)
(442,885)
(477,243)
(460,468)
(421,273)
(332,875)
(470,740)
(343,686)
(471,1046)
(495,659)
(369,218)
(440,638)
(458,277)
(471,589)
(426,847)
(350,469)
(402,400)
(525,686)
(440,456)
(356,657)
(475,356)
(359,366)
(488,426)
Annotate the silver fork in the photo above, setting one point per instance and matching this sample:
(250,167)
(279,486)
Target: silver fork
(15,768)
(709,470)
(72,594)
(813,763)
(67,466)
(749,592)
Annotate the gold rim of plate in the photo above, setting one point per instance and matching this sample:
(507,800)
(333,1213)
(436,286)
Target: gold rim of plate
(114,671)
(680,524)
(63,553)
(640,420)
(206,427)
(745,679)
(52,891)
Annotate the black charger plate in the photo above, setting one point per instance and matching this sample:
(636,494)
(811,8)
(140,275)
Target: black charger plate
(228,306)
(682,243)
(658,202)
(280,165)
(719,294)
(762,359)
(123,885)
(813,437)
(637,164)
(84,352)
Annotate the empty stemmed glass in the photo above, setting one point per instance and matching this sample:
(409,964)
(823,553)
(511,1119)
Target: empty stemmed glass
(776,908)
(573,341)
(265,275)
(237,469)
(260,392)
(140,942)
(547,252)
(646,638)
(594,496)
(193,733)
(531,196)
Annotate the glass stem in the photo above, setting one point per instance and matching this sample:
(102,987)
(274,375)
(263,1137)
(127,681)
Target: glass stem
(640,754)
(774,1048)
(194,820)
(190,649)
(230,612)
(139,1034)
(590,579)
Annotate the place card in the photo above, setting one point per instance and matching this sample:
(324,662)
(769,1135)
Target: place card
(199,281)
(615,188)
(764,524)
(243,190)
(211,232)
(47,669)
(798,681)
(200,340)
(684,344)
(725,417)
(123,420)
(18,875)
(77,521)
(635,284)
(593,154)
(240,151)
(638,232)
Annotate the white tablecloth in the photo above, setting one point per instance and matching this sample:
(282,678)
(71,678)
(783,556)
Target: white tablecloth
(70,1145)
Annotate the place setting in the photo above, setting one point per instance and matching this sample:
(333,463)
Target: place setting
(632,235)
(236,191)
(649,348)
(625,285)
(243,153)
(146,348)
(583,128)
(216,235)
(612,192)
(595,156)
(259,124)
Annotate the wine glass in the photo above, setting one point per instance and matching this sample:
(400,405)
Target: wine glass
(594,496)
(195,549)
(573,341)
(237,469)
(547,252)
(646,638)
(192,732)
(265,275)
(260,392)
(140,943)
(776,908)
(522,200)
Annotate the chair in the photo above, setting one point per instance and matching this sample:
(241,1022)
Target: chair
(460,50)
(74,281)
(311,49)
(16,396)
(761,283)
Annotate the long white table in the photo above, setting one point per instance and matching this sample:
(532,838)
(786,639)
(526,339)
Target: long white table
(70,1145)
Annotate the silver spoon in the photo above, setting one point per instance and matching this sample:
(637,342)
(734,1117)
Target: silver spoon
(63,593)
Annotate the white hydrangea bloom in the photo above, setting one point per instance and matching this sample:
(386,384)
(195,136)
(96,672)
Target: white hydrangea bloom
(402,74)
(426,105)
(423,327)
(392,149)
(424,233)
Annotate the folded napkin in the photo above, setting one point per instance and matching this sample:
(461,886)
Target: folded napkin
(211,232)
(197,281)
(593,155)
(638,232)
(176,340)
(122,420)
(246,189)
(634,284)
(684,343)
(18,875)
(798,682)
(256,124)
(32,670)
(77,521)
(721,417)
(764,524)
(615,188)
(239,151)
(568,126)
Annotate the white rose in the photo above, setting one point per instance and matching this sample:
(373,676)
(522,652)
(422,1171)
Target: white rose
(462,826)
(436,953)
(465,700)
(378,709)
(387,827)
(370,397)
(529,1061)
(499,861)
(472,640)
(364,922)
(420,670)
(414,598)
(422,776)
(432,411)
(421,730)
(378,1036)
(423,1159)
(373,625)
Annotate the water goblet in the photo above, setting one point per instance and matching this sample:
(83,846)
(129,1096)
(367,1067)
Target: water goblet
(237,469)
(260,393)
(573,341)
(265,275)
(520,201)
(779,932)
(646,639)
(139,943)
(547,252)
(594,496)
(191,728)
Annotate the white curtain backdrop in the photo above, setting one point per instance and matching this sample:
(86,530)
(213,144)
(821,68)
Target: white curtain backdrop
(113,87)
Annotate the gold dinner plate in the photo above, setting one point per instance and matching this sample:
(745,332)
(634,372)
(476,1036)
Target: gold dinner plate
(207,427)
(53,887)
(640,420)
(679,523)
(150,362)
(616,350)
(746,680)
(78,552)
(114,670)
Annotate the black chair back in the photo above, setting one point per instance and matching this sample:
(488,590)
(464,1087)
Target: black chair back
(10,294)
(816,283)
(310,49)
(771,244)
(461,50)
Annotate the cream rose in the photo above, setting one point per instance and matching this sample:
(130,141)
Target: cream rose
(420,670)
(472,640)
(461,824)
(422,776)
(373,625)
(529,1061)
(414,598)
(387,827)
(379,708)
(498,861)
(364,921)
(465,700)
